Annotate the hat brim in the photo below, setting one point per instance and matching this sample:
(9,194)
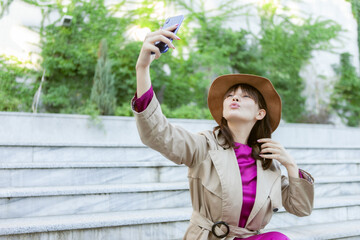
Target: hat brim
(222,84)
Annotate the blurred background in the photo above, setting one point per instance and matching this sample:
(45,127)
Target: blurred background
(65,177)
(88,50)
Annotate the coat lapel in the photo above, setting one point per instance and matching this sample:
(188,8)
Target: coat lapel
(265,180)
(228,170)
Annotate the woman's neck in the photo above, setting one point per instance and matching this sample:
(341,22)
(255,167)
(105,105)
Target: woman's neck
(240,132)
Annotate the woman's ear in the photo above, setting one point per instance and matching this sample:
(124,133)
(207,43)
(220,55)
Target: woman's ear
(261,114)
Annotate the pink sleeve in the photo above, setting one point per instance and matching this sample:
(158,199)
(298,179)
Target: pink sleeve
(140,104)
(303,174)
(300,174)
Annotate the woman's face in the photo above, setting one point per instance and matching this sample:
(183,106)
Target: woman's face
(238,106)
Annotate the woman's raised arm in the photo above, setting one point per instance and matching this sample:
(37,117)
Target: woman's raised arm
(145,57)
(176,143)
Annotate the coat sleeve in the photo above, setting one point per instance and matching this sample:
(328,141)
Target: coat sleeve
(298,194)
(175,143)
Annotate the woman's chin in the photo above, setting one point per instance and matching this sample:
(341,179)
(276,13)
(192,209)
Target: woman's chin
(236,119)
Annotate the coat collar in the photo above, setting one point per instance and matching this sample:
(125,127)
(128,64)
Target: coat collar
(227,168)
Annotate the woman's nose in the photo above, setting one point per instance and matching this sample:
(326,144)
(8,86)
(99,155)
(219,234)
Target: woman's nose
(235,98)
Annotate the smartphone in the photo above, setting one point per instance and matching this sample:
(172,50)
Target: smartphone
(163,47)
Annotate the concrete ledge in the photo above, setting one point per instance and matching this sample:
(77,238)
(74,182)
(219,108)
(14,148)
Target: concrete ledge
(49,129)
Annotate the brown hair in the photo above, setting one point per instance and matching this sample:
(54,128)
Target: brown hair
(261,129)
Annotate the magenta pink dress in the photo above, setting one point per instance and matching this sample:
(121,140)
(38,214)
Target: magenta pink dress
(248,171)
(247,167)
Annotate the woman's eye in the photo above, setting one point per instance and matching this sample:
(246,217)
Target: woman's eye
(229,95)
(246,96)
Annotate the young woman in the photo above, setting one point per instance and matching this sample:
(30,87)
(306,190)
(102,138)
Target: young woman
(235,186)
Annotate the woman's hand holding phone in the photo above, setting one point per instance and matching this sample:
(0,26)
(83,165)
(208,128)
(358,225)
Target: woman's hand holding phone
(150,50)
(162,35)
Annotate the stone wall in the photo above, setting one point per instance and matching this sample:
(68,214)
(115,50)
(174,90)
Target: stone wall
(57,129)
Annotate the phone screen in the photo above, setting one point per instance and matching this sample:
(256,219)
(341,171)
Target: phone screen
(168,23)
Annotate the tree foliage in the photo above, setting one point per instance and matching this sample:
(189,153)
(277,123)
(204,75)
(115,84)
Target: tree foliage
(345,99)
(286,46)
(181,78)
(103,91)
(70,53)
(15,94)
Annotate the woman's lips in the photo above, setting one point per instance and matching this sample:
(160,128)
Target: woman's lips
(234,105)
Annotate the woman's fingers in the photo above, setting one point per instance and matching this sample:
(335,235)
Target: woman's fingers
(270,156)
(271,150)
(267,145)
(155,50)
(163,35)
(171,28)
(167,33)
(161,38)
(266,140)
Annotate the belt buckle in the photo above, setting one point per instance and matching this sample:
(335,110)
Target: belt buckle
(220,223)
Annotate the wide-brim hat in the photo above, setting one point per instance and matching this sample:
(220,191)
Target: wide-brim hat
(222,84)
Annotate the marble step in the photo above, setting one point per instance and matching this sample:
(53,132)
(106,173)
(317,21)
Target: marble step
(324,231)
(329,167)
(16,174)
(117,152)
(43,201)
(89,173)
(337,186)
(142,224)
(326,210)
(76,153)
(147,224)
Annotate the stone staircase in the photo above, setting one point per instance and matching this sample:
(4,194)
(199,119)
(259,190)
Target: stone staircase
(64,177)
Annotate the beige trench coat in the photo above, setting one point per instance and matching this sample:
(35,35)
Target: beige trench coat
(215,180)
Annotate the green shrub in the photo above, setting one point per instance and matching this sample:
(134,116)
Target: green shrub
(345,99)
(285,48)
(206,50)
(103,91)
(279,53)
(124,110)
(187,112)
(15,95)
(70,53)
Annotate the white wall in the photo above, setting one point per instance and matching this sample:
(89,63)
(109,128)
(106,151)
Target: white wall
(319,75)
(15,38)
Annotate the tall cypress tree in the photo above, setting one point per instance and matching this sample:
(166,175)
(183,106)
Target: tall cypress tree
(103,90)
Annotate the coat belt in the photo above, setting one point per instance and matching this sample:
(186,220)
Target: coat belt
(234,231)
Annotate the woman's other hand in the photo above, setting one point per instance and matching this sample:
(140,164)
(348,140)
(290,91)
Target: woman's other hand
(145,57)
(271,149)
